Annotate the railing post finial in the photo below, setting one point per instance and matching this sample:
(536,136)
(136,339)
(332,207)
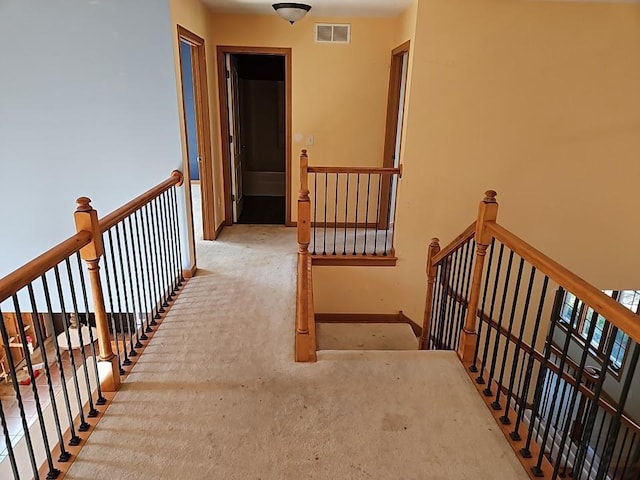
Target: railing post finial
(490,196)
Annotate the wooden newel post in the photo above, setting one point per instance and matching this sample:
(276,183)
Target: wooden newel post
(487,213)
(303,339)
(434,248)
(86,219)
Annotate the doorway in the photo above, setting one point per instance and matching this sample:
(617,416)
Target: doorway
(198,167)
(255,110)
(394,126)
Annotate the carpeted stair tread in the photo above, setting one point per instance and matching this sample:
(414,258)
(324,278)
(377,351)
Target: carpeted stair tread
(365,336)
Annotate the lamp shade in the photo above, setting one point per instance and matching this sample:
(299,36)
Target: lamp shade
(291,12)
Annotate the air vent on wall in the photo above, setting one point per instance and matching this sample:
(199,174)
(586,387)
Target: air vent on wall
(333,33)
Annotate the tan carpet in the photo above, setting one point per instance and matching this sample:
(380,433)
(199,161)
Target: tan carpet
(216,394)
(365,336)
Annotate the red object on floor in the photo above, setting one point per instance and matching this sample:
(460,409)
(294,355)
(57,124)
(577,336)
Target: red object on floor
(27,381)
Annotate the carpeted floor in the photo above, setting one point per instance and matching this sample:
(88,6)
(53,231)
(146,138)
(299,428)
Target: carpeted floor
(216,394)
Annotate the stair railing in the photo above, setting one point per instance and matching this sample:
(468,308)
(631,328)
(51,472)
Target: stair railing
(51,319)
(531,334)
(351,213)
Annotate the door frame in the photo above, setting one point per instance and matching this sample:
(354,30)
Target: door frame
(393,104)
(223,50)
(203,128)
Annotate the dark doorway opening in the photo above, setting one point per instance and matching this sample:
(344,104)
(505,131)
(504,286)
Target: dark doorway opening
(257,122)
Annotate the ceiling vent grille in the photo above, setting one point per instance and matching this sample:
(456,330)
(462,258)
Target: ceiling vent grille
(333,33)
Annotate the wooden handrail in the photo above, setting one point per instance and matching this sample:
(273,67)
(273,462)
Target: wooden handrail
(128,208)
(455,244)
(364,170)
(26,274)
(615,313)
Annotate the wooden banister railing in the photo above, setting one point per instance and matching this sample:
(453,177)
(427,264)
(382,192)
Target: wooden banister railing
(130,207)
(49,300)
(617,315)
(29,272)
(561,418)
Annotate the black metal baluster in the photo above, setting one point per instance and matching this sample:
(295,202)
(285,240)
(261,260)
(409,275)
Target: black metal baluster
(335,216)
(496,403)
(605,460)
(446,299)
(107,277)
(466,280)
(575,390)
(445,303)
(315,210)
(53,472)
(122,253)
(542,372)
(74,439)
(74,304)
(480,379)
(148,270)
(326,201)
(435,310)
(84,426)
(153,239)
(594,453)
(494,355)
(7,440)
(375,239)
(64,455)
(355,230)
(474,365)
(621,450)
(116,281)
(152,255)
(366,214)
(434,300)
(390,208)
(172,262)
(512,378)
(164,246)
(130,253)
(140,282)
(628,461)
(100,400)
(346,217)
(454,321)
(537,470)
(16,389)
(515,435)
(162,276)
(176,235)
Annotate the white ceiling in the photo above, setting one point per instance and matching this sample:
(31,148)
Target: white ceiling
(320,8)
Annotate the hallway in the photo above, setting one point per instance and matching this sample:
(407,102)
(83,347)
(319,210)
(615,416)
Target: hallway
(216,394)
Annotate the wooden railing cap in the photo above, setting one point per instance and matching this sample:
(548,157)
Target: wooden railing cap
(304,152)
(435,242)
(178,174)
(84,204)
(490,196)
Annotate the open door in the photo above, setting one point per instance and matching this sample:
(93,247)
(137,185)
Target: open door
(394,126)
(236,146)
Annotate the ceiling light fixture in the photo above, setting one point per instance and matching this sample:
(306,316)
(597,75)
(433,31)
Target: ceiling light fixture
(291,12)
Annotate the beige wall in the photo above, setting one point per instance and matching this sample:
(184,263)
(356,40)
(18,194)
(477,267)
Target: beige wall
(339,92)
(536,100)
